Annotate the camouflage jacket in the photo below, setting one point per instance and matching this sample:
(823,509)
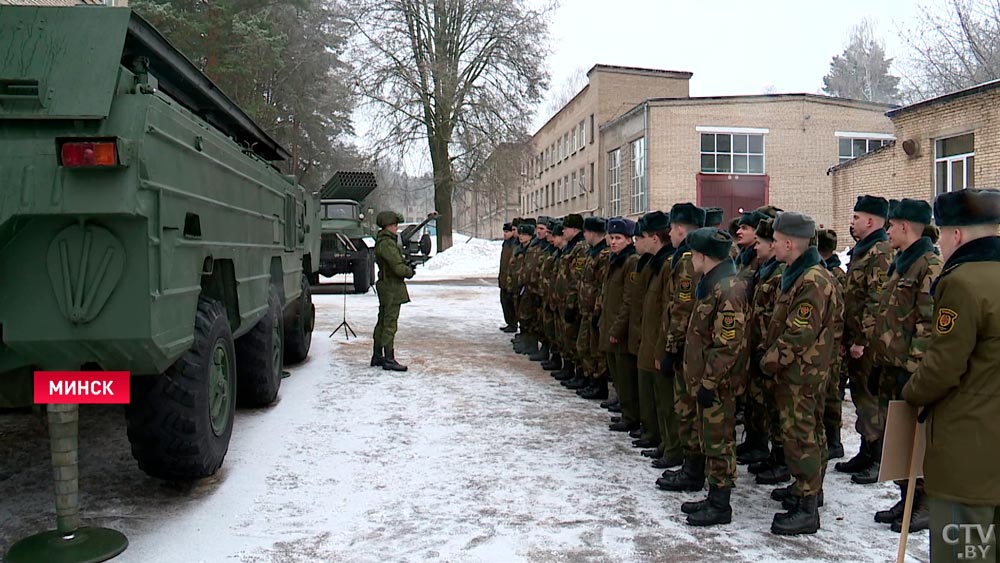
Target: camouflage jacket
(515,276)
(866,276)
(546,273)
(906,309)
(834,266)
(765,294)
(392,270)
(680,304)
(799,343)
(613,295)
(572,263)
(592,279)
(717,335)
(652,310)
(532,263)
(746,263)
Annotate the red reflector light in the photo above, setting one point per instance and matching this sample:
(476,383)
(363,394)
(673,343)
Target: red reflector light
(80,154)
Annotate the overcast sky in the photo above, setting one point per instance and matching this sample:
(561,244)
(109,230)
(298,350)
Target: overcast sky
(731,46)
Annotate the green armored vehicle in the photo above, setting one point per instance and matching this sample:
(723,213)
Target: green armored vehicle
(144,228)
(348,241)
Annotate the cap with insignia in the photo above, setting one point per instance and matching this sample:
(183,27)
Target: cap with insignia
(526,229)
(620,226)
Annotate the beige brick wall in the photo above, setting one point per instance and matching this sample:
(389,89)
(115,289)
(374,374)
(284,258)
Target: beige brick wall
(893,174)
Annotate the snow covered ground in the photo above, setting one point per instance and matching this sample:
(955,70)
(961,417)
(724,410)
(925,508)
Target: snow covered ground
(473,455)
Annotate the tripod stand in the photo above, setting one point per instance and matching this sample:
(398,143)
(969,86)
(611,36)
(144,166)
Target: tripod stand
(348,331)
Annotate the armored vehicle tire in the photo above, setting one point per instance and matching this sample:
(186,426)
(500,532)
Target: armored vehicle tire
(363,273)
(298,333)
(179,422)
(425,244)
(259,356)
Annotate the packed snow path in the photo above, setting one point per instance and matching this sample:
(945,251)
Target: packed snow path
(475,454)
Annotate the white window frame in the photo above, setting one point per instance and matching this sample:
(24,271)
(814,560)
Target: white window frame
(853,136)
(573,146)
(582,187)
(582,143)
(731,131)
(640,199)
(615,182)
(967,170)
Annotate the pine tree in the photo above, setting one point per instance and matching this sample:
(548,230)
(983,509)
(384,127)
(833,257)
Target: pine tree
(862,71)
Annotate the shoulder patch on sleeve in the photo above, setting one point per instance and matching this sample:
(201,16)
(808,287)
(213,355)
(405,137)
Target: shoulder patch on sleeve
(945,320)
(685,286)
(802,315)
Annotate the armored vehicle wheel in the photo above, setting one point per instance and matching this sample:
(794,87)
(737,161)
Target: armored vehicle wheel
(425,244)
(298,333)
(363,274)
(259,357)
(179,422)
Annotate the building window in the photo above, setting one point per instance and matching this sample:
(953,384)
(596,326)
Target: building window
(572,185)
(576,139)
(581,137)
(853,147)
(582,187)
(954,163)
(592,129)
(569,146)
(615,182)
(732,153)
(639,197)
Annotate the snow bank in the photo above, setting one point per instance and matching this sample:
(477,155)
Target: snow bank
(467,258)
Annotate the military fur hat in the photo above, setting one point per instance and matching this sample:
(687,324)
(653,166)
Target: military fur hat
(769,211)
(386,218)
(713,216)
(526,229)
(529,221)
(734,226)
(765,230)
(915,210)
(710,241)
(655,221)
(826,240)
(573,221)
(515,222)
(687,214)
(543,220)
(595,224)
(551,223)
(640,226)
(751,218)
(967,207)
(932,232)
(620,226)
(873,205)
(508,227)
(557,229)
(795,224)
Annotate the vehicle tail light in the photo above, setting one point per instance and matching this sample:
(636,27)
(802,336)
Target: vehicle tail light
(89,154)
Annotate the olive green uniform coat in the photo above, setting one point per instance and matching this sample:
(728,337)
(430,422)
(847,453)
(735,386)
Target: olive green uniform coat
(391,287)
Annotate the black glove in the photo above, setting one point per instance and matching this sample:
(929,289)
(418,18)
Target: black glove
(570,316)
(901,377)
(595,322)
(873,379)
(705,397)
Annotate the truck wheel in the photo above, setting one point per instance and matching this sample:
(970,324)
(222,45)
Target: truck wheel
(298,333)
(362,274)
(259,356)
(179,422)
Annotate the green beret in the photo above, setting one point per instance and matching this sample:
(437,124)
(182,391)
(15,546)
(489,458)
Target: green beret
(573,221)
(915,210)
(713,216)
(751,218)
(967,207)
(826,240)
(710,241)
(655,221)
(765,229)
(595,224)
(795,224)
(687,214)
(873,205)
(386,218)
(526,229)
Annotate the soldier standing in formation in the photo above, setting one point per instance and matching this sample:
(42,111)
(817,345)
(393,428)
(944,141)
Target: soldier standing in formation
(506,298)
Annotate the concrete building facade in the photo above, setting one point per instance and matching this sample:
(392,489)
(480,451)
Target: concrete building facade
(942,144)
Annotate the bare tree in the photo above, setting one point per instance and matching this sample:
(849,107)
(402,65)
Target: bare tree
(953,47)
(861,72)
(455,74)
(561,96)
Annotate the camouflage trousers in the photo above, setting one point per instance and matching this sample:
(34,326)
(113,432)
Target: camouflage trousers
(647,406)
(527,313)
(833,408)
(865,403)
(772,420)
(890,388)
(755,412)
(686,407)
(800,409)
(594,362)
(716,434)
(625,376)
(570,333)
(548,327)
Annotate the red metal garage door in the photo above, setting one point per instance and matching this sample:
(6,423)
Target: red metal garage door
(733,193)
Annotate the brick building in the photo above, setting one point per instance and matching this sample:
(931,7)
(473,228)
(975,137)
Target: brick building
(642,143)
(942,144)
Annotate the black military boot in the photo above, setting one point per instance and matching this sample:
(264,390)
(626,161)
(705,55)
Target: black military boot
(792,501)
(608,403)
(519,340)
(715,511)
(667,462)
(857,463)
(622,426)
(802,519)
(390,363)
(566,373)
(870,474)
(581,382)
(529,345)
(778,473)
(542,355)
(753,448)
(377,357)
(600,390)
(655,453)
(691,477)
(920,519)
(782,493)
(896,512)
(554,363)
(834,447)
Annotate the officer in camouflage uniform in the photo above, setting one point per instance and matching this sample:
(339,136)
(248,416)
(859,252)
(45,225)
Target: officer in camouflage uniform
(518,273)
(833,418)
(393,272)
(572,263)
(547,273)
(543,232)
(614,323)
(592,277)
(904,327)
(799,345)
(714,361)
(866,277)
(956,385)
(532,262)
(684,218)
